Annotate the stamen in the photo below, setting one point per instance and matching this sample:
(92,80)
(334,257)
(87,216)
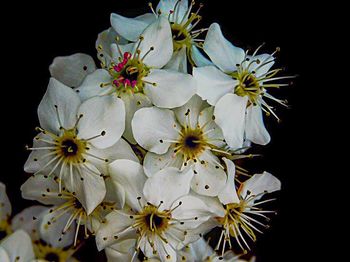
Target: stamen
(150,50)
(58,117)
(103,133)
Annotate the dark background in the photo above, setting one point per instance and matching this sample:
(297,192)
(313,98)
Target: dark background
(35,33)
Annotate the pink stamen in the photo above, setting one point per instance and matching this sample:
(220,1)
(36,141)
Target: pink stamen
(127,56)
(118,68)
(116,83)
(127,82)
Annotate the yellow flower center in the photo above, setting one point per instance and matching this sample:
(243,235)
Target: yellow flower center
(69,147)
(192,143)
(152,221)
(248,85)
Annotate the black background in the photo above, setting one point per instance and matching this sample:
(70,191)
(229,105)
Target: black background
(35,33)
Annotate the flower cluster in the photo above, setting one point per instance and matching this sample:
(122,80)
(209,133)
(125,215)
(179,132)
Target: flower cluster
(145,153)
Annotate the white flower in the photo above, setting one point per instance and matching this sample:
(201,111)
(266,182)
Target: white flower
(236,87)
(135,76)
(184,38)
(59,224)
(71,70)
(242,207)
(160,215)
(186,137)
(17,247)
(5,212)
(72,137)
(46,246)
(202,251)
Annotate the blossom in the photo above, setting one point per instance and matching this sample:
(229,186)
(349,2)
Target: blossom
(236,86)
(17,247)
(59,224)
(46,246)
(242,207)
(135,75)
(182,20)
(186,137)
(202,251)
(5,212)
(72,137)
(160,214)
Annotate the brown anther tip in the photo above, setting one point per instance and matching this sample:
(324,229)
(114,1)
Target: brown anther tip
(55,106)
(278,49)
(103,133)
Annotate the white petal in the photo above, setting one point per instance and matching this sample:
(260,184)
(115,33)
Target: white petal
(148,18)
(120,150)
(173,89)
(5,204)
(91,86)
(178,61)
(266,61)
(88,185)
(133,102)
(213,204)
(67,102)
(259,184)
(188,114)
(29,220)
(193,211)
(18,246)
(255,130)
(224,54)
(51,229)
(115,193)
(118,226)
(36,188)
(212,84)
(198,58)
(229,193)
(213,131)
(121,251)
(152,127)
(209,178)
(154,163)
(167,185)
(129,28)
(167,7)
(71,70)
(102,114)
(158,37)
(230,116)
(94,191)
(3,255)
(130,175)
(201,249)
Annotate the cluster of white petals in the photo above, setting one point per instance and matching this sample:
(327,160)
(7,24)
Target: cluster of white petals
(142,152)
